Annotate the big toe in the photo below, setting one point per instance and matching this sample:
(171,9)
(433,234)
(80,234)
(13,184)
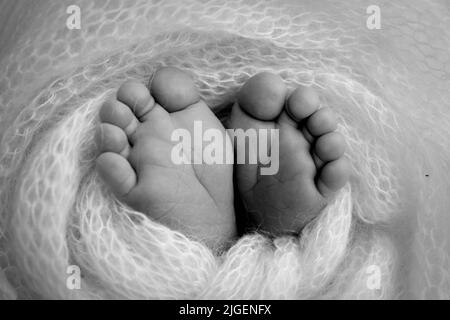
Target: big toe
(174,89)
(263,96)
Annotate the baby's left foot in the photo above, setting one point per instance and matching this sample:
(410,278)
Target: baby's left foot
(311,163)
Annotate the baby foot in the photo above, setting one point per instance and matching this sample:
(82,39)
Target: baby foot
(311,163)
(135,161)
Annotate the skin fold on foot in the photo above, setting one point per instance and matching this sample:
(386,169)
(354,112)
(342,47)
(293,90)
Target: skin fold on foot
(312,166)
(135,158)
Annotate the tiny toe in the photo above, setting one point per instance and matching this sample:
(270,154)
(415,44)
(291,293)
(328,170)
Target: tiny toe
(116,113)
(137,97)
(321,122)
(174,89)
(112,139)
(263,96)
(117,173)
(302,103)
(330,146)
(333,176)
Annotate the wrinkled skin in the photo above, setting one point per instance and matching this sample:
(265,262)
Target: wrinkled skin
(406,64)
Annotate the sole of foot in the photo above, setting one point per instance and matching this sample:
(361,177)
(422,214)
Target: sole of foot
(312,166)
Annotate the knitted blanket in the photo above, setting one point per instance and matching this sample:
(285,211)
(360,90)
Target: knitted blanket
(64,236)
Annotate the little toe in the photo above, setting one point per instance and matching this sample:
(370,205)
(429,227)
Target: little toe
(330,147)
(302,103)
(333,176)
(174,89)
(118,114)
(111,138)
(117,172)
(263,96)
(137,97)
(321,122)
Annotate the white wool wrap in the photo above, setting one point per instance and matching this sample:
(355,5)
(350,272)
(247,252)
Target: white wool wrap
(385,235)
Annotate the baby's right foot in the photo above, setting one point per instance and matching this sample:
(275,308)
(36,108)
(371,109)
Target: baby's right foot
(136,158)
(311,163)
